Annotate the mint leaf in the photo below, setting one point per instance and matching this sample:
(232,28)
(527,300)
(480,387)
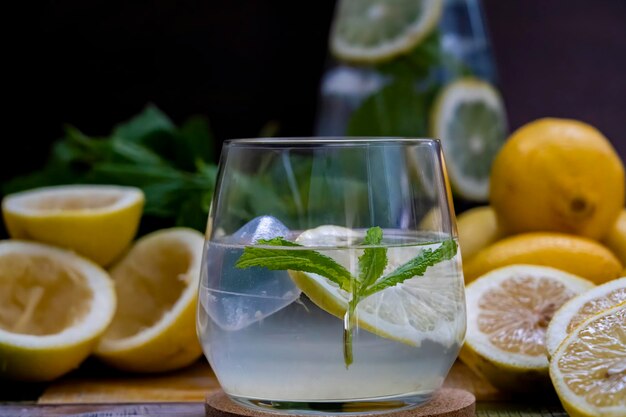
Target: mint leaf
(149,122)
(415,267)
(372,264)
(374,260)
(296,260)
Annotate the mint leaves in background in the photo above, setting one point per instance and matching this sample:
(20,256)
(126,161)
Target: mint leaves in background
(174,166)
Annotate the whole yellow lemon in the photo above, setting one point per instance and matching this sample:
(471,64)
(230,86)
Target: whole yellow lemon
(557,175)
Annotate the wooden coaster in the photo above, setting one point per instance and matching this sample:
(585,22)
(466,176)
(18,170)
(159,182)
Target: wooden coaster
(447,402)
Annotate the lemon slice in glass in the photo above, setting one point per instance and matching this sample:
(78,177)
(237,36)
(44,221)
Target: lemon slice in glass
(469,118)
(588,369)
(156,284)
(53,307)
(371,31)
(508,311)
(429,307)
(96,221)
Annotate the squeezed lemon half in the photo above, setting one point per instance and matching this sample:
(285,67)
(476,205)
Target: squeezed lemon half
(154,328)
(96,221)
(53,307)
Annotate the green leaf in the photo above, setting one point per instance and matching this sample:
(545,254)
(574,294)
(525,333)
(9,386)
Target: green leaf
(395,110)
(297,260)
(149,122)
(134,152)
(415,267)
(195,143)
(374,260)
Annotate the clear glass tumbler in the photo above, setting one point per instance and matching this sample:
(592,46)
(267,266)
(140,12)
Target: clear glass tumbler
(332,279)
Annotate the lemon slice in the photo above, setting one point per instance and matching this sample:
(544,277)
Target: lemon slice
(53,307)
(371,31)
(97,221)
(430,307)
(508,311)
(156,284)
(469,118)
(588,369)
(580,308)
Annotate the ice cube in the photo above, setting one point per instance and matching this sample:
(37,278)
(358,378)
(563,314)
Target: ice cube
(262,227)
(236,298)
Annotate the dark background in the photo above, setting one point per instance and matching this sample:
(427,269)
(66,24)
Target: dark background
(245,63)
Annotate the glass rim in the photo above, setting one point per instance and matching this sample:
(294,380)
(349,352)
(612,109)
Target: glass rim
(329,140)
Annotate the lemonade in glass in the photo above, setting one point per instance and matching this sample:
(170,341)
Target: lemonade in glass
(332,277)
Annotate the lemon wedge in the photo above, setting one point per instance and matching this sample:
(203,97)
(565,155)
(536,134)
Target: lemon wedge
(156,284)
(429,307)
(508,311)
(371,31)
(580,308)
(96,221)
(588,369)
(53,307)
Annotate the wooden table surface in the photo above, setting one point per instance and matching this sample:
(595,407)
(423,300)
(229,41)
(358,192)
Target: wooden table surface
(182,393)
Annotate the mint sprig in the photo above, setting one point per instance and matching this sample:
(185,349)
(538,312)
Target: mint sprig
(369,281)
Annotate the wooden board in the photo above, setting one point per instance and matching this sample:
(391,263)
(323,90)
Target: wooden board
(194,383)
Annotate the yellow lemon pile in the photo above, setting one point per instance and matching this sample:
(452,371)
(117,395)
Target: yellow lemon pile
(557,199)
(58,304)
(555,228)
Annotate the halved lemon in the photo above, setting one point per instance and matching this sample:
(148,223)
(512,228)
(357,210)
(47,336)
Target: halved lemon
(156,284)
(429,307)
(469,118)
(96,221)
(588,369)
(53,307)
(508,311)
(371,31)
(580,308)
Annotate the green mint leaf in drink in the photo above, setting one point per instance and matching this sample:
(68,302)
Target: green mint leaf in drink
(415,267)
(287,255)
(297,260)
(374,260)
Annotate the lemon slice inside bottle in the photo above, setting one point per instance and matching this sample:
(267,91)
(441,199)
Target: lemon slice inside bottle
(429,307)
(469,119)
(371,31)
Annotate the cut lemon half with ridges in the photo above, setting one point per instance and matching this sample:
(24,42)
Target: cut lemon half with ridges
(580,308)
(469,118)
(53,307)
(588,369)
(429,307)
(96,221)
(508,311)
(156,284)
(371,31)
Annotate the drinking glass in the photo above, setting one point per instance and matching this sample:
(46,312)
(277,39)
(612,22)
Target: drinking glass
(331,278)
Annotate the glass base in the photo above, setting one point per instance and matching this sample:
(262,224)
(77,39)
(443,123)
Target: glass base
(382,405)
